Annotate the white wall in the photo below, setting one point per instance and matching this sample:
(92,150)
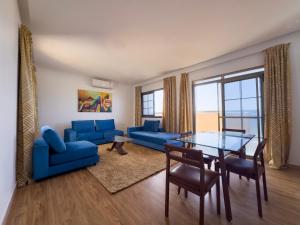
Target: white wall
(57,100)
(9,23)
(247,58)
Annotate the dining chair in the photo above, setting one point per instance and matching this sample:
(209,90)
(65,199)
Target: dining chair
(191,175)
(241,153)
(251,168)
(207,159)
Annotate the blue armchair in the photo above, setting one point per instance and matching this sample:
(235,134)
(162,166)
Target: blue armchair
(103,132)
(52,156)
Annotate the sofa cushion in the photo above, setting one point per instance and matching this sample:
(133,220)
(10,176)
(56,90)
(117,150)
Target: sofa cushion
(112,133)
(105,124)
(75,151)
(89,136)
(53,139)
(83,125)
(151,125)
(154,137)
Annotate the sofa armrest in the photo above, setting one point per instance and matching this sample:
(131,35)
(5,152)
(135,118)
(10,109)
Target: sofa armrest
(161,129)
(40,159)
(70,135)
(132,129)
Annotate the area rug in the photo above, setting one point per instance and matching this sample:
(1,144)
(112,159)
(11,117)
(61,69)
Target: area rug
(117,172)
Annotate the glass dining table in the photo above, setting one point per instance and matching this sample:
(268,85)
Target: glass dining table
(218,144)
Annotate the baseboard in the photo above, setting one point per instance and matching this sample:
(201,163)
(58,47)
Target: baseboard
(9,206)
(294,166)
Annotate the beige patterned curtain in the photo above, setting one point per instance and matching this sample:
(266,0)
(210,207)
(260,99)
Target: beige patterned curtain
(185,120)
(277,105)
(138,106)
(27,108)
(169,109)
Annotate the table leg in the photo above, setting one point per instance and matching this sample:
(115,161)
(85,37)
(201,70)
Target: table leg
(112,147)
(120,149)
(225,186)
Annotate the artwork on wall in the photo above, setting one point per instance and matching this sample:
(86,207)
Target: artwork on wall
(94,101)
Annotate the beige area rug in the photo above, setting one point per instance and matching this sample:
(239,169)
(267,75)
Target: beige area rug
(117,172)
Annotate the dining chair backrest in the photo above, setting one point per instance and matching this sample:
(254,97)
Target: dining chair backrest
(259,149)
(172,154)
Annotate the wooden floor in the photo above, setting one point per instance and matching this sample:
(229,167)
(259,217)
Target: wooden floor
(78,198)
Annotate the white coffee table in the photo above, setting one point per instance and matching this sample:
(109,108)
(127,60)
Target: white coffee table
(118,144)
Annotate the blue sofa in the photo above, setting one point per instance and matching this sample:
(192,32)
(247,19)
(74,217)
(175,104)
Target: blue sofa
(150,135)
(97,132)
(52,156)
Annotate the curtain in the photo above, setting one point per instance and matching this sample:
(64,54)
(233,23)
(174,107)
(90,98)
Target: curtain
(277,100)
(138,106)
(27,129)
(169,104)
(185,120)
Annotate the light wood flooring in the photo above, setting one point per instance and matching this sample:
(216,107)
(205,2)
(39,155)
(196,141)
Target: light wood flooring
(77,198)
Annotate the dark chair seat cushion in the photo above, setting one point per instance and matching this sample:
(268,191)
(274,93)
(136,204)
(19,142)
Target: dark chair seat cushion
(191,175)
(75,151)
(240,166)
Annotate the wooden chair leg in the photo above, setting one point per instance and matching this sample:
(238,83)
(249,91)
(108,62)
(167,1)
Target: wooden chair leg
(178,190)
(209,165)
(167,198)
(265,186)
(258,196)
(185,193)
(218,196)
(228,177)
(201,215)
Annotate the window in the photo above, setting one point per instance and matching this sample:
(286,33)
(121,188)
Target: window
(152,103)
(233,101)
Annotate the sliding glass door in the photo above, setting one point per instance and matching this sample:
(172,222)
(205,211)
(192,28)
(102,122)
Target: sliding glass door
(233,101)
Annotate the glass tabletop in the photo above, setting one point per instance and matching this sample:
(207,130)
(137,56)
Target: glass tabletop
(228,141)
(122,139)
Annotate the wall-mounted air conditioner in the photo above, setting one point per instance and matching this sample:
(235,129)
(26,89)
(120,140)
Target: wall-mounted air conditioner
(102,84)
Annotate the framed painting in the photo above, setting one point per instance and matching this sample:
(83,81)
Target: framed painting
(94,101)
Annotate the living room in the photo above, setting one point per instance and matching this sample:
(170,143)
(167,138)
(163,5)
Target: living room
(129,112)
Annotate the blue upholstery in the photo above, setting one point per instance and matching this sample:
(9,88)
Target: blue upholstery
(70,135)
(53,139)
(155,137)
(112,133)
(83,125)
(151,125)
(155,140)
(75,150)
(105,124)
(104,132)
(89,136)
(47,163)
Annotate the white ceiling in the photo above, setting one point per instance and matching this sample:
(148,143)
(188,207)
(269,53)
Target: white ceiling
(135,40)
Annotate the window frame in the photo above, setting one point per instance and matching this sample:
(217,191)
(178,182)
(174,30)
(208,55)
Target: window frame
(147,93)
(222,80)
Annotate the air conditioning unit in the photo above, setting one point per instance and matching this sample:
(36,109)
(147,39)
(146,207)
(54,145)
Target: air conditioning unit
(102,84)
